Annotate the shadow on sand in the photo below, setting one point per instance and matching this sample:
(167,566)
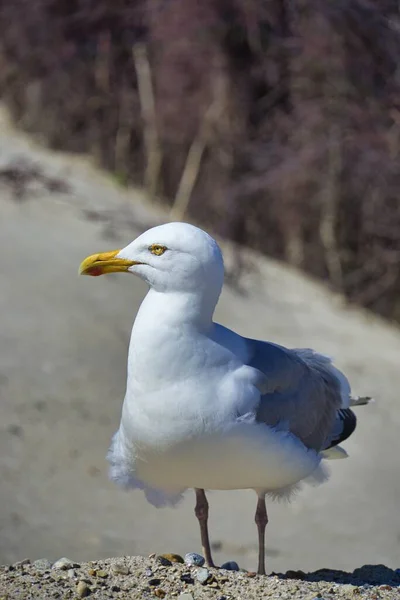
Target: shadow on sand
(367,575)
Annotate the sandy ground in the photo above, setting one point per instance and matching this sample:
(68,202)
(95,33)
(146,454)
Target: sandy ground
(136,578)
(63,344)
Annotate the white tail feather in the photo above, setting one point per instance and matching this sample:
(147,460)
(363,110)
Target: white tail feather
(334,453)
(360,400)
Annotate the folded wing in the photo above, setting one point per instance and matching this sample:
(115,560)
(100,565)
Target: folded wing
(307,395)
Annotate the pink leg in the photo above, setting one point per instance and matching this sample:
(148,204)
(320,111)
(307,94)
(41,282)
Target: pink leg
(201,512)
(261,519)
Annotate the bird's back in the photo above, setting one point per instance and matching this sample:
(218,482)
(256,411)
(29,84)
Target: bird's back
(309,396)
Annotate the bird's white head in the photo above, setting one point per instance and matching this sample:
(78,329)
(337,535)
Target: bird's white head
(176,257)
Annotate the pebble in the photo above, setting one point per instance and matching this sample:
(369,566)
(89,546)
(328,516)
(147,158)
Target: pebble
(203,575)
(348,588)
(173,558)
(231,565)
(71,573)
(194,560)
(149,573)
(120,568)
(102,574)
(64,564)
(160,593)
(185,596)
(187,578)
(82,589)
(155,581)
(42,564)
(21,563)
(165,562)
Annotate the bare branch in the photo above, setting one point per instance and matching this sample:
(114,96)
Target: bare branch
(149,117)
(195,154)
(329,201)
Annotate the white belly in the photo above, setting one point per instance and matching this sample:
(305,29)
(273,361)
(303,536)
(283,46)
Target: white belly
(245,455)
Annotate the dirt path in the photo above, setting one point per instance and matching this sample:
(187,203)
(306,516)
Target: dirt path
(63,343)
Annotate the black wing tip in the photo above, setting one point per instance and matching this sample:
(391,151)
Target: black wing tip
(349,421)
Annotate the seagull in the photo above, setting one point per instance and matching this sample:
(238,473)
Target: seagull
(206,408)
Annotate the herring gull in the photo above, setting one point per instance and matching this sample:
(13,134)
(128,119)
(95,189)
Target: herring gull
(206,408)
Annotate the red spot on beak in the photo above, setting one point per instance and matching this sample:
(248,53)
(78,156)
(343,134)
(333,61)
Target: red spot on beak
(95,271)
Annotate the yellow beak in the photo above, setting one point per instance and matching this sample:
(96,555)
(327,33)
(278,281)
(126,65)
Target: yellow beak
(106,262)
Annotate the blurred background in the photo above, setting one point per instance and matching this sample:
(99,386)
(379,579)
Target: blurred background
(275,124)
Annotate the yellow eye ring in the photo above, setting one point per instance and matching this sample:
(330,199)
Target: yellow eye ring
(157,249)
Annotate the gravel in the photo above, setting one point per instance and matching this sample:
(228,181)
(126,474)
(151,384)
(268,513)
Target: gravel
(126,578)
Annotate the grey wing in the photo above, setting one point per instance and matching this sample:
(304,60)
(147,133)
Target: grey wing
(306,393)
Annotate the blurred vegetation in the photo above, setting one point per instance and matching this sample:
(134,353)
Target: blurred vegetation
(277,122)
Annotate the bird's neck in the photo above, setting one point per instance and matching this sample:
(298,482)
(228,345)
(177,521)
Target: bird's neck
(175,309)
(159,352)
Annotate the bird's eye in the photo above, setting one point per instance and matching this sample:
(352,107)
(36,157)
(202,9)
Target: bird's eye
(157,249)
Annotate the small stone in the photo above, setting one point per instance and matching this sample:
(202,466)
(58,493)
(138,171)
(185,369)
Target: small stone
(115,588)
(92,572)
(152,555)
(42,564)
(194,560)
(155,581)
(64,564)
(203,575)
(22,563)
(251,574)
(185,596)
(82,589)
(149,573)
(102,574)
(71,573)
(349,588)
(187,578)
(173,558)
(165,562)
(231,565)
(120,568)
(160,593)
